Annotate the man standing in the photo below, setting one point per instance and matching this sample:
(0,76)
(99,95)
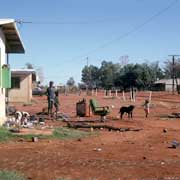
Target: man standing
(50,96)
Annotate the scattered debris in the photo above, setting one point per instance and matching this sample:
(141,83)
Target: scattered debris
(34,139)
(62,116)
(84,121)
(86,125)
(112,106)
(20,140)
(174,115)
(97,149)
(22,119)
(175,144)
(11,110)
(15,130)
(177,115)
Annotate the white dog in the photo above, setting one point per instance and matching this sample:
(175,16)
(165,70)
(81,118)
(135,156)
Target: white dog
(21,118)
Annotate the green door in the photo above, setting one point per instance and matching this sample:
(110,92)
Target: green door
(6,76)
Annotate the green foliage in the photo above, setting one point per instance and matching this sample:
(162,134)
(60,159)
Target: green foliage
(5,135)
(74,179)
(108,73)
(111,75)
(70,82)
(58,133)
(29,65)
(63,179)
(10,175)
(90,76)
(168,69)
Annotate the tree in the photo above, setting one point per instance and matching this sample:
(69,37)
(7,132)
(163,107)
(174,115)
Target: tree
(29,65)
(70,82)
(39,71)
(40,74)
(127,76)
(108,72)
(90,76)
(168,69)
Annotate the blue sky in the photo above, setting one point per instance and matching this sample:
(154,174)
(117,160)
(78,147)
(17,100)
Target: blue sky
(61,49)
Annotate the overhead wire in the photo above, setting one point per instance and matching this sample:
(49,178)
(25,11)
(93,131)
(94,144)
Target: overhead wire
(100,20)
(128,33)
(135,29)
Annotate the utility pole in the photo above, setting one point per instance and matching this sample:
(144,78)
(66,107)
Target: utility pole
(173,72)
(87,84)
(87,61)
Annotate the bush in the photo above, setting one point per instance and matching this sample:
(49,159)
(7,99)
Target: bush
(10,175)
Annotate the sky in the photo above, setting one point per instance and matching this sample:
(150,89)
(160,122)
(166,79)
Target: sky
(61,34)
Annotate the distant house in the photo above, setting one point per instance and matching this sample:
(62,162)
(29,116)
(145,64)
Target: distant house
(22,81)
(10,42)
(168,84)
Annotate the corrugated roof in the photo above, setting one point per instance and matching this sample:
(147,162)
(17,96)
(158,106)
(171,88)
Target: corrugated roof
(167,81)
(23,71)
(14,43)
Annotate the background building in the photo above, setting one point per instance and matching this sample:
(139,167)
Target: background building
(22,81)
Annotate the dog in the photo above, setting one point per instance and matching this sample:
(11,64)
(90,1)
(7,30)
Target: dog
(21,118)
(128,110)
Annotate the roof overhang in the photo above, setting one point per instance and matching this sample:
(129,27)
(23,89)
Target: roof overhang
(23,71)
(13,42)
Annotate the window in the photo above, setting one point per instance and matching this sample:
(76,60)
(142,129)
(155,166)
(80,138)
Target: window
(15,82)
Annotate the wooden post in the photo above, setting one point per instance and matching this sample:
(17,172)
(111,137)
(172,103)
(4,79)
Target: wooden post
(92,92)
(104,93)
(150,94)
(116,93)
(96,91)
(124,98)
(110,93)
(130,95)
(89,111)
(134,96)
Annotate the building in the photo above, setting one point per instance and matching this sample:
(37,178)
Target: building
(10,42)
(21,85)
(168,84)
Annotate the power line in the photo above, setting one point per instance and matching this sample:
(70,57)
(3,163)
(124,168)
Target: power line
(173,72)
(135,29)
(100,20)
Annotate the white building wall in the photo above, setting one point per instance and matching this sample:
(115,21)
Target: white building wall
(24,93)
(2,90)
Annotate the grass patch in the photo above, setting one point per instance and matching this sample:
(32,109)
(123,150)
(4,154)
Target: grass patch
(58,133)
(74,179)
(6,135)
(10,175)
(66,133)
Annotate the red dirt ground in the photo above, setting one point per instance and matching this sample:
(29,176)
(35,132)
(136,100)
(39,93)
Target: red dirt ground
(126,155)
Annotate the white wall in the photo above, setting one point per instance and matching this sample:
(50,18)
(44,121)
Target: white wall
(24,93)
(2,90)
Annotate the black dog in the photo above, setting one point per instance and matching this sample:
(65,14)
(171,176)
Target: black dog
(128,110)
